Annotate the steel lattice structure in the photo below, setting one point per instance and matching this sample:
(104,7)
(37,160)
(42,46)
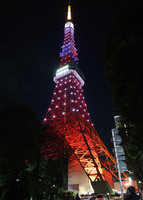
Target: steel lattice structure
(69,118)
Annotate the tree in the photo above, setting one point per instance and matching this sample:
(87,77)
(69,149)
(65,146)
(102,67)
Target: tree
(18,130)
(24,172)
(124,72)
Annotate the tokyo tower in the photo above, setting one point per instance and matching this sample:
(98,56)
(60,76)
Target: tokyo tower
(68,117)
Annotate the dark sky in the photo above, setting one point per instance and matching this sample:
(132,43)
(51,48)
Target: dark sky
(31,35)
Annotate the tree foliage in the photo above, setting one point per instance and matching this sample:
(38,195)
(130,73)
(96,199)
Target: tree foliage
(124,72)
(18,130)
(24,173)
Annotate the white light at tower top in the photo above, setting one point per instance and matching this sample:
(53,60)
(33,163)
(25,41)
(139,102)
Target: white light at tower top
(69,13)
(69,25)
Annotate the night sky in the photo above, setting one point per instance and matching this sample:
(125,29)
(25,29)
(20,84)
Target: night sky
(31,36)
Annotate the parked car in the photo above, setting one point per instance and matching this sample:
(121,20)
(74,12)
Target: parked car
(101,197)
(88,198)
(93,198)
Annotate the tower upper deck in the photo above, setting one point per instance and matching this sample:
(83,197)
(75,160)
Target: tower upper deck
(68,55)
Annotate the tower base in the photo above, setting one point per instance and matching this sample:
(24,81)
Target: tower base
(77,179)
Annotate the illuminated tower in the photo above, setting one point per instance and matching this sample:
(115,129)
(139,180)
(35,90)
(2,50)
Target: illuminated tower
(68,117)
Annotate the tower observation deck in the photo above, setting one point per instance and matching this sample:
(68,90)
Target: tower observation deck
(68,117)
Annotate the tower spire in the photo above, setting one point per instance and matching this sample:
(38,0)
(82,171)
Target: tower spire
(69,16)
(69,52)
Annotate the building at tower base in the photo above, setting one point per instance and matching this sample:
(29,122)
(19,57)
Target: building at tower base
(77,179)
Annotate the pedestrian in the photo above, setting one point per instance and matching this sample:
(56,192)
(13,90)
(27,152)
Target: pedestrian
(131,194)
(77,197)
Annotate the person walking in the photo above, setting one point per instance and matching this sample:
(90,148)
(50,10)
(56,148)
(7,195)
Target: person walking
(131,194)
(77,197)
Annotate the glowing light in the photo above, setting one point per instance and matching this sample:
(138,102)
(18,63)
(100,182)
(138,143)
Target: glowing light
(69,25)
(62,70)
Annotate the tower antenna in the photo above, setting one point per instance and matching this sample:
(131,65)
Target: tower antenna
(69,17)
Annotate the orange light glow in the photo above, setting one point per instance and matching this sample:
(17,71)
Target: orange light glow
(69,13)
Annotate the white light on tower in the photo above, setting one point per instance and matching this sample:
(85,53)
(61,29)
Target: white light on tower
(69,13)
